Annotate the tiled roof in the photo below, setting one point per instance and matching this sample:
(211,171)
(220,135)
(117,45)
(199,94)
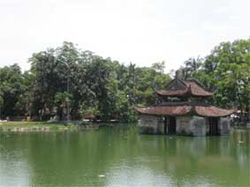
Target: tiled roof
(172,93)
(212,111)
(190,87)
(165,110)
(197,89)
(206,111)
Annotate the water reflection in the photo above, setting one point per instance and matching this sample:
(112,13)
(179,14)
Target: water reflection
(14,169)
(121,157)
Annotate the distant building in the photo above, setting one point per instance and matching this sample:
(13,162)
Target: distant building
(183,109)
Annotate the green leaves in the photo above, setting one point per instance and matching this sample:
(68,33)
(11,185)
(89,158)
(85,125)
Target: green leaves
(226,70)
(11,89)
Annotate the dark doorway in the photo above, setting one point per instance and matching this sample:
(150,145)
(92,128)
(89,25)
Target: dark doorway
(171,125)
(165,125)
(213,126)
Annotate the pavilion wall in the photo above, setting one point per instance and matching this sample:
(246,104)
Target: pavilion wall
(224,126)
(185,125)
(151,124)
(190,125)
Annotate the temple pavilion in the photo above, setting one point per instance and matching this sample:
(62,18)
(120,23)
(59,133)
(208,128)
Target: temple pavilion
(183,109)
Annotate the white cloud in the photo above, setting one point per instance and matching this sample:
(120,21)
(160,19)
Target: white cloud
(222,10)
(138,31)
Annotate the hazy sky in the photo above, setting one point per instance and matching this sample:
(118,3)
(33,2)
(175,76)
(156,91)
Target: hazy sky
(138,31)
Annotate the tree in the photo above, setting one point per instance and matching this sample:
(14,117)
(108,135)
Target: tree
(226,70)
(52,69)
(191,67)
(88,83)
(231,72)
(11,88)
(159,66)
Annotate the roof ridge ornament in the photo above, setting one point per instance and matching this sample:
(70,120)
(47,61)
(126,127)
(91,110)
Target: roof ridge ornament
(178,74)
(189,89)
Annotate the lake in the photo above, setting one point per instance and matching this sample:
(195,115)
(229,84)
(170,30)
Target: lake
(119,156)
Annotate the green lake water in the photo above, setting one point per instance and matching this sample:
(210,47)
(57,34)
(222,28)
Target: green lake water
(119,156)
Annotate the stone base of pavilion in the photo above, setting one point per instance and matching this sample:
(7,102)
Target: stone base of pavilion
(183,125)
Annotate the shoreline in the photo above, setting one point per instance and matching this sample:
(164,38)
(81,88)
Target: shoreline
(45,126)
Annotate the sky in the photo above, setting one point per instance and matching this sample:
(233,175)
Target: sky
(137,31)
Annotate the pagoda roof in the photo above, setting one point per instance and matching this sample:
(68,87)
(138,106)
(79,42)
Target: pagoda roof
(178,87)
(165,110)
(181,110)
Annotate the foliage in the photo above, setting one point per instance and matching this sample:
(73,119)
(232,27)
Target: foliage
(106,89)
(11,89)
(226,70)
(89,84)
(159,66)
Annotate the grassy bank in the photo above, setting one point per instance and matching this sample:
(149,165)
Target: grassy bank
(44,126)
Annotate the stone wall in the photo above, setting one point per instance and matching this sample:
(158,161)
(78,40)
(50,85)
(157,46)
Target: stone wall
(150,124)
(248,124)
(224,126)
(190,125)
(199,126)
(185,125)
(207,126)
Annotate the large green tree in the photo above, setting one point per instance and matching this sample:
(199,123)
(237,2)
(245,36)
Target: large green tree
(227,71)
(11,89)
(68,80)
(58,72)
